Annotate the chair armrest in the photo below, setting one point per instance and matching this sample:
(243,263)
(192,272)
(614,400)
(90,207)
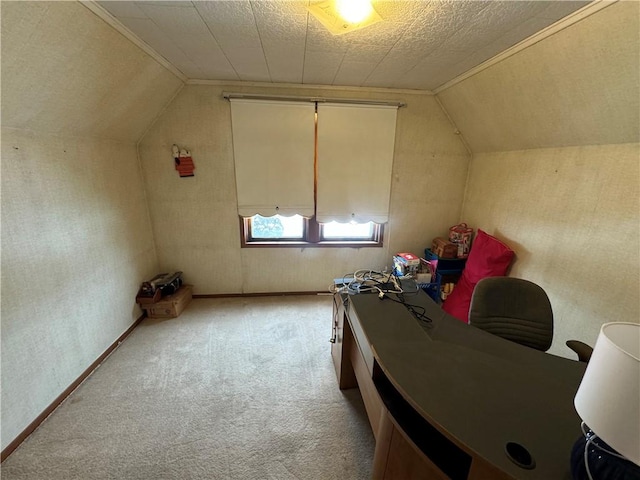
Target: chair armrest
(583,350)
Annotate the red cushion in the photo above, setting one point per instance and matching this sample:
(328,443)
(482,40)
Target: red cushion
(489,257)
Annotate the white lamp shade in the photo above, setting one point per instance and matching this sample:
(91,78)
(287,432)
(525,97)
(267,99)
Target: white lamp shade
(608,399)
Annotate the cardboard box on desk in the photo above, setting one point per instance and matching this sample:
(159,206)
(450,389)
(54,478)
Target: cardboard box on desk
(170,306)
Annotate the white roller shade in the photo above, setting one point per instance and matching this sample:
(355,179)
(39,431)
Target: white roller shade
(355,158)
(273,147)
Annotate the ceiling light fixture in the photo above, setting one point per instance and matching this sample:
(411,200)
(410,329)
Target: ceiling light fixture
(344,16)
(354,11)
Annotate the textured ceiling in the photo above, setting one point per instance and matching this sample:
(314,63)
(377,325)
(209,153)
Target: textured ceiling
(420,44)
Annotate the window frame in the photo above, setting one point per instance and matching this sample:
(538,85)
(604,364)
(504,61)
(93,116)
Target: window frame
(312,237)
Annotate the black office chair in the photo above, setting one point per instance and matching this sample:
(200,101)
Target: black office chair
(583,350)
(513,308)
(517,310)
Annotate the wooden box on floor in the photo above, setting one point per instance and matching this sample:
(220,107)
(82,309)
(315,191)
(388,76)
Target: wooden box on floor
(170,306)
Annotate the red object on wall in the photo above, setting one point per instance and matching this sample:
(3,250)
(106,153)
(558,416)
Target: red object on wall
(185,166)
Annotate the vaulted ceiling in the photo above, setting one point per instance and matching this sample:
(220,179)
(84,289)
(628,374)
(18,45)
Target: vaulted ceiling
(420,44)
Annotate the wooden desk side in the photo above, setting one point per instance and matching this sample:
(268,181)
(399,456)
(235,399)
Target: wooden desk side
(341,343)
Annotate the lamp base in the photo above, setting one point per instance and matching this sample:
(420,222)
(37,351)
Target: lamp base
(604,463)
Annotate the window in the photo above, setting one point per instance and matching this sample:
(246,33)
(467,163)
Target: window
(305,171)
(278,230)
(338,231)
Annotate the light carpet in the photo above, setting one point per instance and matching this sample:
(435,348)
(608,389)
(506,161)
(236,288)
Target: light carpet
(235,388)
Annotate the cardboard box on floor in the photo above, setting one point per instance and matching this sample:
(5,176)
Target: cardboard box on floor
(170,306)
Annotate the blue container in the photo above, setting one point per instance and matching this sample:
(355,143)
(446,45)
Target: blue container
(432,289)
(446,266)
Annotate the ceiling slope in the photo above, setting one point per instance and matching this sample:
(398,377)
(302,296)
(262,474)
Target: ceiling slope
(580,86)
(66,72)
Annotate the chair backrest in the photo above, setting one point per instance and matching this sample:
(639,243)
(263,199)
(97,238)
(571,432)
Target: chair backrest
(515,309)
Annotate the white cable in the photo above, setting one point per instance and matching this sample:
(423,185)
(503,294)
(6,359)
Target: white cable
(591,433)
(591,440)
(368,280)
(586,456)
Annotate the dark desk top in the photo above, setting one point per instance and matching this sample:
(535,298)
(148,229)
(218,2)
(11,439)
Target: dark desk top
(479,389)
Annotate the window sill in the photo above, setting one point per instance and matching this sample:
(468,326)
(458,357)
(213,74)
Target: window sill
(302,244)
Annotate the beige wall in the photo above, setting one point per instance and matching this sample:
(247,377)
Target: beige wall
(76,235)
(195,219)
(571,212)
(571,215)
